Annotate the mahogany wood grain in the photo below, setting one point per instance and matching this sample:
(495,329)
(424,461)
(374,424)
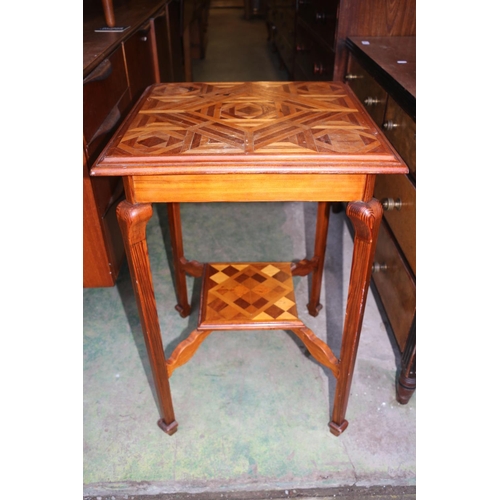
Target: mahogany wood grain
(373,18)
(395,284)
(133,220)
(174,222)
(365,218)
(402,219)
(322,219)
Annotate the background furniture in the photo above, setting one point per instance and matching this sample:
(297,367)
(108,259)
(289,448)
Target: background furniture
(117,67)
(310,35)
(382,73)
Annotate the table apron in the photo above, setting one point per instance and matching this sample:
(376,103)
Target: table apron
(247,187)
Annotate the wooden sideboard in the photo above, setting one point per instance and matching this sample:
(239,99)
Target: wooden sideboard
(117,68)
(310,35)
(382,73)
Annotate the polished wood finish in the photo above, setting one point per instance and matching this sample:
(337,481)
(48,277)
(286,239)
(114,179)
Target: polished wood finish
(250,141)
(311,35)
(117,67)
(389,64)
(396,285)
(133,220)
(365,218)
(249,296)
(109,12)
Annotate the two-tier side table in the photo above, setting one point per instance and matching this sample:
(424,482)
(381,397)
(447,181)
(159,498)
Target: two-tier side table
(249,142)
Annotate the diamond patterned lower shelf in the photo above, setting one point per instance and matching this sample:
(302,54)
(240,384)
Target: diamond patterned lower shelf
(249,296)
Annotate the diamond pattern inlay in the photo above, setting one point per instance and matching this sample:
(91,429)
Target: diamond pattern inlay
(248,294)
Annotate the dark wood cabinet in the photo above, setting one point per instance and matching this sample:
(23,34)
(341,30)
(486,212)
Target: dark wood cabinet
(310,35)
(117,68)
(382,73)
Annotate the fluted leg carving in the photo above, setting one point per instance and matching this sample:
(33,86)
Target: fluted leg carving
(133,220)
(365,217)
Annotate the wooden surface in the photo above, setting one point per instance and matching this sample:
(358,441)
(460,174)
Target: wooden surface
(248,296)
(389,63)
(256,127)
(97,46)
(392,62)
(244,138)
(374,18)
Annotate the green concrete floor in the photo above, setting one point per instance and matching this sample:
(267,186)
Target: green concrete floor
(252,407)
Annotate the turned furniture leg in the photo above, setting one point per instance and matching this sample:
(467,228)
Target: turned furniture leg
(366,217)
(407,378)
(174,223)
(314,307)
(133,220)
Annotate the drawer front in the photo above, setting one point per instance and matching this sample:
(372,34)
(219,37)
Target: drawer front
(398,195)
(285,50)
(102,90)
(312,59)
(395,286)
(368,91)
(321,17)
(401,130)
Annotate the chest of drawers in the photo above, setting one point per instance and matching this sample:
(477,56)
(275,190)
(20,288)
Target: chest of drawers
(381,71)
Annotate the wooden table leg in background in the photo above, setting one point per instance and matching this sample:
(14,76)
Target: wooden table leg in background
(174,223)
(133,220)
(365,218)
(322,219)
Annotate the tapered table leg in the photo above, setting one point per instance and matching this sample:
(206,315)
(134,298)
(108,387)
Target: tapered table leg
(322,219)
(133,220)
(174,222)
(366,219)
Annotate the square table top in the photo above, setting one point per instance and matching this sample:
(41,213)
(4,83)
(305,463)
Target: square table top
(248,127)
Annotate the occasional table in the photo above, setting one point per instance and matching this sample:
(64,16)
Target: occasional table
(249,142)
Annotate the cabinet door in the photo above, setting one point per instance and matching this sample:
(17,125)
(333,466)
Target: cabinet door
(139,55)
(175,67)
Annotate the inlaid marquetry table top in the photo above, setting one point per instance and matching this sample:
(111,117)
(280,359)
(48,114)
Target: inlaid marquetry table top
(256,127)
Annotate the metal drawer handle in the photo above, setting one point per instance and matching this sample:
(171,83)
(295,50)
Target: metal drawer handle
(389,125)
(389,204)
(379,268)
(350,76)
(371,101)
(143,39)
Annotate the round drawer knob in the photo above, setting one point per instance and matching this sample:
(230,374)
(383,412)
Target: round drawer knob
(143,39)
(379,268)
(350,76)
(371,101)
(389,204)
(390,125)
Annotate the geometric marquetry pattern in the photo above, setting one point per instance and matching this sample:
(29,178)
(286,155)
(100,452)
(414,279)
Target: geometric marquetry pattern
(248,294)
(238,119)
